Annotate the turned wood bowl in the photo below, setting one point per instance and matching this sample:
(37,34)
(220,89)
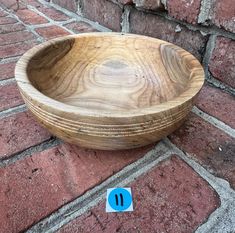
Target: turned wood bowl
(109,90)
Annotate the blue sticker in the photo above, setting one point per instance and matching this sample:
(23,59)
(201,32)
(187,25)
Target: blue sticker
(119,200)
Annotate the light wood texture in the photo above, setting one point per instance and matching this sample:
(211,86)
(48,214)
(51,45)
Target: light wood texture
(109,90)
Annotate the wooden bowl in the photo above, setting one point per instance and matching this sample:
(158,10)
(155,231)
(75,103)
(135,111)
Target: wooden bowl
(109,90)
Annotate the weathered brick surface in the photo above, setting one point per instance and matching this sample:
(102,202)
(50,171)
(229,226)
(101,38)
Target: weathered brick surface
(71,5)
(185,10)
(11,28)
(105,12)
(79,27)
(9,96)
(211,147)
(14,37)
(30,17)
(7,20)
(12,4)
(217,103)
(170,198)
(34,187)
(19,132)
(156,26)
(7,70)
(125,2)
(51,32)
(53,14)
(223,14)
(222,62)
(149,4)
(15,49)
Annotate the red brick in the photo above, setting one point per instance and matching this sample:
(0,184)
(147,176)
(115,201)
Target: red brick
(34,3)
(9,96)
(211,147)
(30,17)
(185,10)
(224,14)
(170,198)
(125,2)
(104,12)
(53,14)
(222,63)
(12,4)
(70,5)
(15,49)
(149,4)
(78,27)
(36,186)
(7,20)
(11,28)
(14,37)
(7,70)
(19,132)
(157,26)
(51,32)
(217,103)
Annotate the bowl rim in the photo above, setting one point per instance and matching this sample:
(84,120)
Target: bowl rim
(27,89)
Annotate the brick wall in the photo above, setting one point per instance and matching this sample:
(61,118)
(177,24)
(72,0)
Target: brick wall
(206,28)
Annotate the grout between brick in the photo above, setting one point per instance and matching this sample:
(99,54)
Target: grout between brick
(8,81)
(12,111)
(125,24)
(9,59)
(215,122)
(52,142)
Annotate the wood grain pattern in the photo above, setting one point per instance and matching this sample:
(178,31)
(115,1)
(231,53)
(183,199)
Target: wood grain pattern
(109,90)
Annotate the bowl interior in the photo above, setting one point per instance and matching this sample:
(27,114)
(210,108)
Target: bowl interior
(111,72)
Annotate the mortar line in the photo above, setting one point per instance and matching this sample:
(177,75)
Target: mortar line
(51,21)
(7,81)
(12,111)
(47,144)
(217,83)
(93,196)
(209,49)
(125,24)
(214,121)
(9,59)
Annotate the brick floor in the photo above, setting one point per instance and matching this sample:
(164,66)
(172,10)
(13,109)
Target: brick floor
(38,185)
(13,50)
(170,197)
(210,146)
(30,17)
